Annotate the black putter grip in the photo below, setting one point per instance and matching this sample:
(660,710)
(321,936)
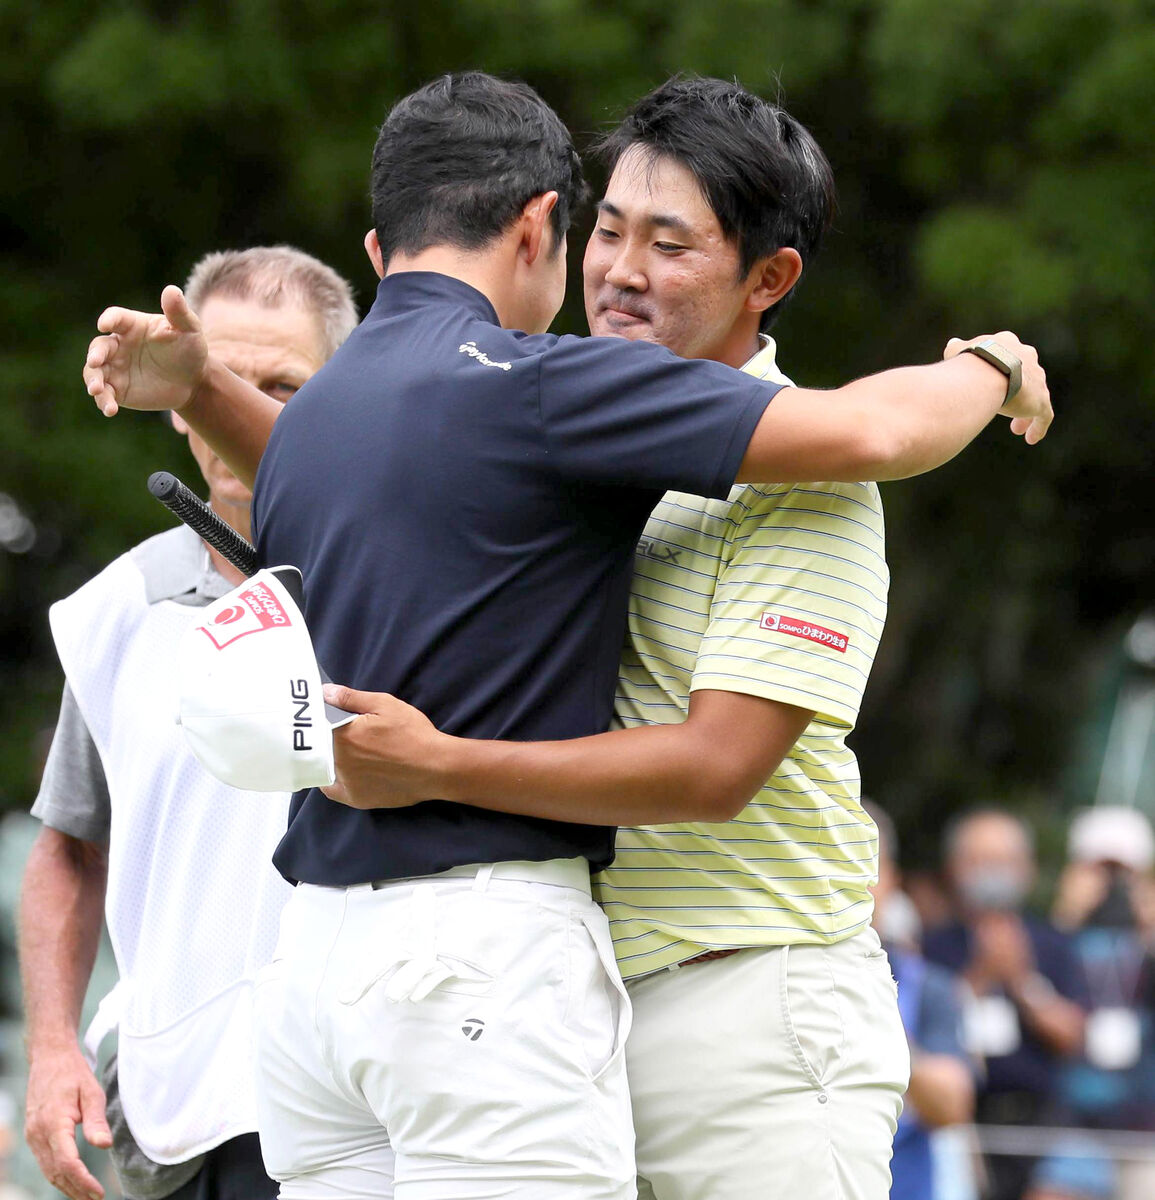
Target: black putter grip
(201,519)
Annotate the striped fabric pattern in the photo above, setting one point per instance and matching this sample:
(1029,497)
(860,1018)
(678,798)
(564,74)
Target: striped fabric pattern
(779,592)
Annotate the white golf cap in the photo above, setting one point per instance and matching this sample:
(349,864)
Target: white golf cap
(250,689)
(1112,833)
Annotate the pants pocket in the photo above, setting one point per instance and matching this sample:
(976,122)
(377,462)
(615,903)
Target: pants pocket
(811,1014)
(599,1013)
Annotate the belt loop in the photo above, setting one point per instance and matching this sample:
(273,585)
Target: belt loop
(483,876)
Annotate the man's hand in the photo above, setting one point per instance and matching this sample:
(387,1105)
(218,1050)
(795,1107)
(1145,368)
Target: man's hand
(64,1093)
(1082,888)
(146,360)
(1002,949)
(386,758)
(1030,408)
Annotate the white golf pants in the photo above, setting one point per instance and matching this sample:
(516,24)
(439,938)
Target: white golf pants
(457,1036)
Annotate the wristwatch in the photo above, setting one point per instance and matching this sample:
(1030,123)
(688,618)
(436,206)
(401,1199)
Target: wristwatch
(1003,360)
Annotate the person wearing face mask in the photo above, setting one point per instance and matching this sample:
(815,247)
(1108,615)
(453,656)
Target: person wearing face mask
(942,1086)
(1105,901)
(1026,1012)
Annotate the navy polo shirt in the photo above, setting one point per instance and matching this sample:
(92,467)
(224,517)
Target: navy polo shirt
(463,501)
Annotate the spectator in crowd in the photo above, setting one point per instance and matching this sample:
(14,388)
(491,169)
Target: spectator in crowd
(8,1189)
(941,1088)
(1026,1011)
(1105,901)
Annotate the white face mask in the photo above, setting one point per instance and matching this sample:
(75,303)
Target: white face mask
(998,887)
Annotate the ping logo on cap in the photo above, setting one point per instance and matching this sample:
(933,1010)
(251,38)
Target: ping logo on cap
(254,610)
(302,722)
(805,629)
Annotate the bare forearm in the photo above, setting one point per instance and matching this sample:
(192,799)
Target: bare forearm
(887,426)
(705,768)
(926,415)
(61,911)
(234,417)
(644,776)
(1053,1019)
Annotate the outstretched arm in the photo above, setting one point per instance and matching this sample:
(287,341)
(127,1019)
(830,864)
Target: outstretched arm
(154,361)
(897,423)
(706,768)
(61,908)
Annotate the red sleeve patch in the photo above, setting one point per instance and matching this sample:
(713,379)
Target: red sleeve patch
(805,629)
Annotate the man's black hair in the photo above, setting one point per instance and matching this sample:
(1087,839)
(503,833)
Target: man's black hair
(457,160)
(764,176)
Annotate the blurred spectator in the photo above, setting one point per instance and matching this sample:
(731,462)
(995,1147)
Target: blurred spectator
(1027,1008)
(8,1119)
(941,1088)
(1104,900)
(1077,1171)
(928,894)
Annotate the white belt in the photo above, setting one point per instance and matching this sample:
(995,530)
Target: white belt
(558,872)
(417,970)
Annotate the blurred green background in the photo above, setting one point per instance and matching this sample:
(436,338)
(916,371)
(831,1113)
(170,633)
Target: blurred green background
(996,167)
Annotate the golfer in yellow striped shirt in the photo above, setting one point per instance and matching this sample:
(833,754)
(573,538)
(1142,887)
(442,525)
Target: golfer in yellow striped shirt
(767,1058)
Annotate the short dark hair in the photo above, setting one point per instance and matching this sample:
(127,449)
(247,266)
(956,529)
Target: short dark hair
(762,173)
(457,160)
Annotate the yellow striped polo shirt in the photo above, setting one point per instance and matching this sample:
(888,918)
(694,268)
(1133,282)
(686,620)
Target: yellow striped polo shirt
(778,591)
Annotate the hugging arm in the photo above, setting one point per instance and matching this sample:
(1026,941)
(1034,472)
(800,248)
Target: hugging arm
(897,423)
(706,768)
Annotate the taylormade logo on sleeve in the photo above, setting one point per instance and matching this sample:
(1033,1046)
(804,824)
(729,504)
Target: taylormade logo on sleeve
(472,350)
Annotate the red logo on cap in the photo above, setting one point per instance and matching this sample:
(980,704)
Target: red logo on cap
(805,629)
(256,610)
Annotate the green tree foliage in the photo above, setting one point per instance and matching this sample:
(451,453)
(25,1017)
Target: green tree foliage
(995,163)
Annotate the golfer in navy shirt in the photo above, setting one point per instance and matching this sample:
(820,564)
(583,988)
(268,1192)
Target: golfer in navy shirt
(444,1017)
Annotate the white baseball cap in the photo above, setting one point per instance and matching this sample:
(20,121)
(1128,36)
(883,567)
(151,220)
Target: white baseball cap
(250,689)
(1112,833)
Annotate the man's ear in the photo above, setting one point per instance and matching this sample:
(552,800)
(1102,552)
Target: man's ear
(373,249)
(536,230)
(772,278)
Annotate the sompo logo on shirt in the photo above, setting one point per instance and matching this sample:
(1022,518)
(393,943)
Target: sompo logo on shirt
(805,629)
(472,350)
(253,611)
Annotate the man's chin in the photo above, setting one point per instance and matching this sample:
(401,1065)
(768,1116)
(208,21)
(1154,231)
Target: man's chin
(236,497)
(635,329)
